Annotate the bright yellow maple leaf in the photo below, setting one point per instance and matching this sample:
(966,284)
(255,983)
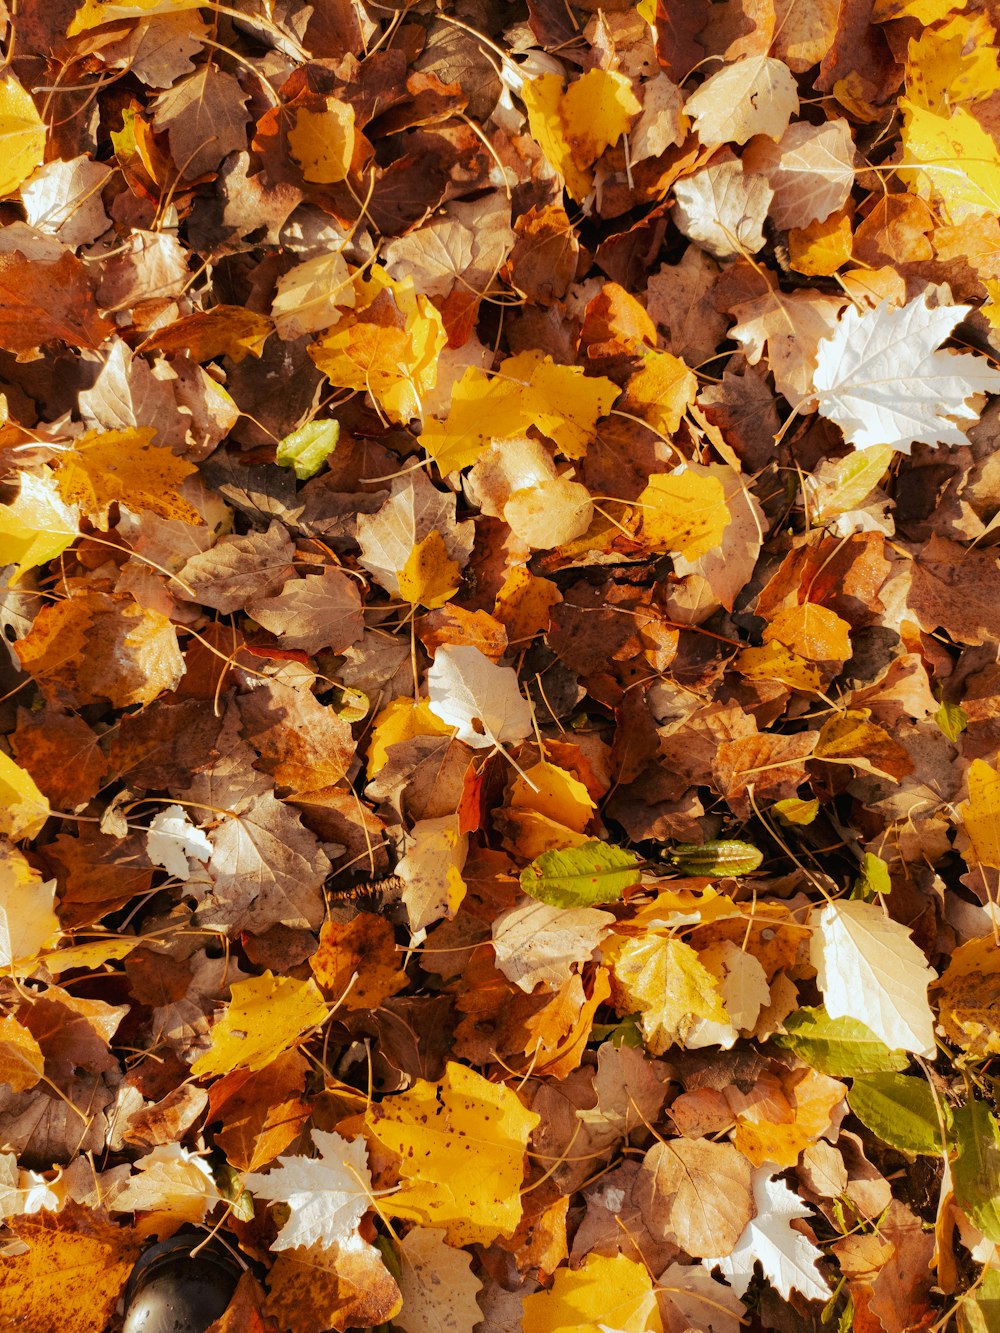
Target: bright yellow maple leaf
(461,1144)
(953,63)
(684,512)
(266,1016)
(611,1293)
(36,526)
(124,467)
(665,982)
(430,577)
(22,132)
(573,128)
(401,720)
(388,345)
(951,159)
(981,813)
(529,389)
(322,142)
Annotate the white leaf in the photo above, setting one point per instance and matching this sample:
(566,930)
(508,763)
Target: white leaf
(328,1196)
(438,1290)
(698,1300)
(170,1179)
(480,699)
(787,1258)
(64,199)
(868,968)
(431,868)
(879,377)
(723,208)
(537,945)
(754,96)
(172,838)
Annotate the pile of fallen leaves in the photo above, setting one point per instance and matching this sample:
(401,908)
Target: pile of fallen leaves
(500,674)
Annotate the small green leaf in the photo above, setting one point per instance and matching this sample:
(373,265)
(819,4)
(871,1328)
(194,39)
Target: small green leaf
(976,1169)
(874,879)
(594,872)
(793,810)
(839,1047)
(952,720)
(716,858)
(307,449)
(900,1110)
(625,1033)
(979,1311)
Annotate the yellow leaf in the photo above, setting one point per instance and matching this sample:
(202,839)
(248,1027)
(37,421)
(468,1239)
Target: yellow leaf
(951,64)
(924,11)
(811,631)
(266,1015)
(969,994)
(950,158)
(27,922)
(852,739)
(552,791)
(524,604)
(430,576)
(542,98)
(23,808)
(856,477)
(661,392)
(322,142)
(388,344)
(665,982)
(92,13)
(124,467)
(90,955)
(683,512)
(461,1144)
(573,128)
(21,1061)
(36,526)
(22,132)
(614,1293)
(401,720)
(528,390)
(225,330)
(824,246)
(776,662)
(981,813)
(793,810)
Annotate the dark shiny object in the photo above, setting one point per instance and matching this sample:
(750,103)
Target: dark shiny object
(172,1291)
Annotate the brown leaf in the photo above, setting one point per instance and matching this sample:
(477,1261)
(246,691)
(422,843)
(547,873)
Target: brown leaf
(315,612)
(47,302)
(205,119)
(697,1193)
(261,1112)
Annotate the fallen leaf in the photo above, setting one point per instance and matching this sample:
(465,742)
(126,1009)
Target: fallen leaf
(266,1015)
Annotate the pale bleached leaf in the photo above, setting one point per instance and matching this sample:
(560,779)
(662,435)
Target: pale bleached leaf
(477,697)
(327,1195)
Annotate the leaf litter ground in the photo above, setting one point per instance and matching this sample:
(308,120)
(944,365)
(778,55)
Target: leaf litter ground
(501,816)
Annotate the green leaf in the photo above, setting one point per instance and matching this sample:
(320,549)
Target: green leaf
(716,858)
(976,1169)
(839,1047)
(873,880)
(952,720)
(899,1110)
(307,449)
(594,872)
(979,1312)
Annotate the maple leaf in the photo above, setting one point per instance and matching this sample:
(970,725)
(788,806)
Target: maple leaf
(328,1195)
(461,1144)
(787,1258)
(859,383)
